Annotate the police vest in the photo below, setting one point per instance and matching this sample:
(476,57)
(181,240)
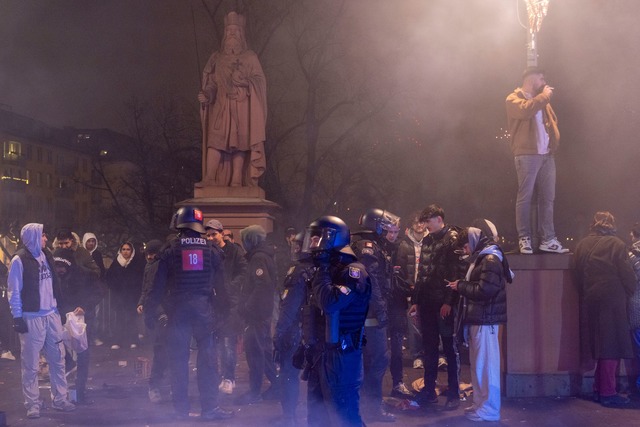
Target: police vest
(192,264)
(353,316)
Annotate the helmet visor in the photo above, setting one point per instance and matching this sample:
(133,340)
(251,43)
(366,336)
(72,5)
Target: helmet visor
(318,239)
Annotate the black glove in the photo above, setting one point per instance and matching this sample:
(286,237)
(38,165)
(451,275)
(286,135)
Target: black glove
(322,258)
(19,325)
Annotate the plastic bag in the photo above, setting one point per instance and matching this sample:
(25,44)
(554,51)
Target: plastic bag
(75,333)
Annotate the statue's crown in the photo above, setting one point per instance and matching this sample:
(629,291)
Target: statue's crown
(233,18)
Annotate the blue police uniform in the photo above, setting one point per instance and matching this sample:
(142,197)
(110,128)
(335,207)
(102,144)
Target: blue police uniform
(287,336)
(190,270)
(341,294)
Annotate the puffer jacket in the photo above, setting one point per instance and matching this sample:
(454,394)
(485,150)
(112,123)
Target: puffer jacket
(439,261)
(485,292)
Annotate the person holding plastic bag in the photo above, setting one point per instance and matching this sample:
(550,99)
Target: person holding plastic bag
(34,294)
(82,294)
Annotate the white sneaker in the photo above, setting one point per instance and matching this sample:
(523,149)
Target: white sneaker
(7,355)
(227,386)
(64,406)
(417,364)
(554,246)
(132,346)
(98,342)
(525,245)
(33,412)
(115,347)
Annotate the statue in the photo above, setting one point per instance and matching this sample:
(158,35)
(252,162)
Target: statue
(234,112)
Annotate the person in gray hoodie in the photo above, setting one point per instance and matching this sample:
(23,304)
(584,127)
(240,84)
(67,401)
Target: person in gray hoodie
(34,291)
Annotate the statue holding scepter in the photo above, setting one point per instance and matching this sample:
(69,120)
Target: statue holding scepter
(234,112)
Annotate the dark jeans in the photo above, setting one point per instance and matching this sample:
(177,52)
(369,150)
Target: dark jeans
(160,362)
(82,365)
(228,349)
(125,330)
(259,352)
(192,316)
(397,330)
(435,328)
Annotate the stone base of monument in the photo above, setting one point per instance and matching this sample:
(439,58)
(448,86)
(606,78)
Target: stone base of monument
(235,207)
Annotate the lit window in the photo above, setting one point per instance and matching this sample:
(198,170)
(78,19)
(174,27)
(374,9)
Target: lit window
(12,150)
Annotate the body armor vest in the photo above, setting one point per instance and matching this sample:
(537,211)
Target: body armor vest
(192,263)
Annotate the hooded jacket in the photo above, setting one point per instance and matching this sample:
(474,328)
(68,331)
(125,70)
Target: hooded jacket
(33,286)
(256,299)
(484,290)
(95,252)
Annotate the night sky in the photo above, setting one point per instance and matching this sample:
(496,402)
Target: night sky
(75,62)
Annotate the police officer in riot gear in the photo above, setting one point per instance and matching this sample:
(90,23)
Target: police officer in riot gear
(372,251)
(333,325)
(190,271)
(287,336)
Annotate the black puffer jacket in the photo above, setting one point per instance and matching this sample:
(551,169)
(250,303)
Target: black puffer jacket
(438,261)
(485,292)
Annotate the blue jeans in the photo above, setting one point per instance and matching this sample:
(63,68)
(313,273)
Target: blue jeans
(536,172)
(227,347)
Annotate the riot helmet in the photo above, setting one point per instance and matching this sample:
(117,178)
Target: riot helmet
(189,217)
(378,221)
(325,234)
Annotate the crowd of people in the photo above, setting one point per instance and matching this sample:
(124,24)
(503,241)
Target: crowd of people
(328,306)
(349,302)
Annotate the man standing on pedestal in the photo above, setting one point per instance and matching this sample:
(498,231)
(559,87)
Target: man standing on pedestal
(534,139)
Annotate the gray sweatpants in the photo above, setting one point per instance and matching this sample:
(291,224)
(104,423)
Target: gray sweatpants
(45,333)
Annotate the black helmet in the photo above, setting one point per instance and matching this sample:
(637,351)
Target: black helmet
(378,221)
(326,233)
(189,217)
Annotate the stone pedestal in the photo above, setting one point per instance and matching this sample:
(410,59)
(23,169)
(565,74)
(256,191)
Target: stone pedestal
(543,356)
(235,207)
